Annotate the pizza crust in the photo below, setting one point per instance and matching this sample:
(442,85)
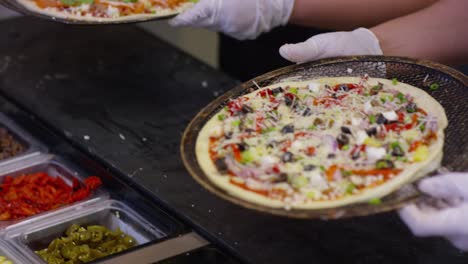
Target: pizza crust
(162,12)
(410,173)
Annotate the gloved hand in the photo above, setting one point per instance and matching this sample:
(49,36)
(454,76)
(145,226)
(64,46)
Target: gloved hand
(358,42)
(451,222)
(240,19)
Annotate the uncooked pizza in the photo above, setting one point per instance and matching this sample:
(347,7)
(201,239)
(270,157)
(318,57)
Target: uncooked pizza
(322,143)
(106,10)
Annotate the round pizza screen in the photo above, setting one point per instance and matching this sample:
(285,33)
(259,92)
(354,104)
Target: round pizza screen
(319,141)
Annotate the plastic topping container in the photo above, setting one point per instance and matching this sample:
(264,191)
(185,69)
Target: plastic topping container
(54,167)
(111,213)
(10,133)
(8,252)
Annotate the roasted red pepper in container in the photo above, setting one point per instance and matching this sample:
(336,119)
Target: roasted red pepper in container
(35,193)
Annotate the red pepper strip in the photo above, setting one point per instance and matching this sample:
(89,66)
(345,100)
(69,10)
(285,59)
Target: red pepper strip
(212,148)
(265,93)
(31,194)
(331,172)
(300,134)
(385,172)
(235,150)
(245,187)
(235,105)
(350,86)
(425,141)
(310,151)
(258,123)
(328,101)
(286,145)
(401,127)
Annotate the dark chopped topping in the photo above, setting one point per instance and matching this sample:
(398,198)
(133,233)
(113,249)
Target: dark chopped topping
(380,119)
(287,157)
(221,165)
(355,154)
(342,139)
(397,151)
(331,156)
(272,144)
(371,131)
(384,164)
(309,167)
(343,87)
(307,112)
(318,121)
(247,109)
(345,130)
(282,177)
(375,103)
(277,91)
(289,98)
(334,96)
(243,146)
(228,135)
(287,129)
(411,108)
(376,89)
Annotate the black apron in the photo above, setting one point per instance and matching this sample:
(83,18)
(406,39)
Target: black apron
(247,59)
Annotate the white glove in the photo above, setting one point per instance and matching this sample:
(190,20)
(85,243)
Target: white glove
(358,42)
(240,19)
(450,222)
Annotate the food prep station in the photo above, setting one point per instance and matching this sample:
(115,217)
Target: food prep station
(113,102)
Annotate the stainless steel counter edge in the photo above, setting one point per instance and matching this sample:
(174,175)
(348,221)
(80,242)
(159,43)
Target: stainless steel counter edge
(161,251)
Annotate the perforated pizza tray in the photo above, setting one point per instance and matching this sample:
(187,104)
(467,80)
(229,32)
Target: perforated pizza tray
(452,94)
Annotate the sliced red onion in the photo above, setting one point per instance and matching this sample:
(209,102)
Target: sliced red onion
(241,170)
(431,123)
(331,142)
(390,105)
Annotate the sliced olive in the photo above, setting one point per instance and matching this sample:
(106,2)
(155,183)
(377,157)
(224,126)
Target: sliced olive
(309,167)
(376,89)
(371,131)
(228,135)
(411,108)
(288,100)
(287,157)
(221,165)
(277,91)
(307,112)
(242,146)
(342,139)
(331,156)
(282,177)
(397,151)
(247,109)
(272,144)
(287,129)
(343,87)
(355,155)
(380,119)
(384,164)
(345,130)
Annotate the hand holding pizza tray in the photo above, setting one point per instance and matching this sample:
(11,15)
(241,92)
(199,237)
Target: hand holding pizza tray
(99,11)
(446,86)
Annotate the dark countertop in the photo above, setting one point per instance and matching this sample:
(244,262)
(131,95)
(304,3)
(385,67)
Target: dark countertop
(133,95)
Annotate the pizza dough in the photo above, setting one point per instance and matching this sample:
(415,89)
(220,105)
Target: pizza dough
(107,10)
(407,141)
